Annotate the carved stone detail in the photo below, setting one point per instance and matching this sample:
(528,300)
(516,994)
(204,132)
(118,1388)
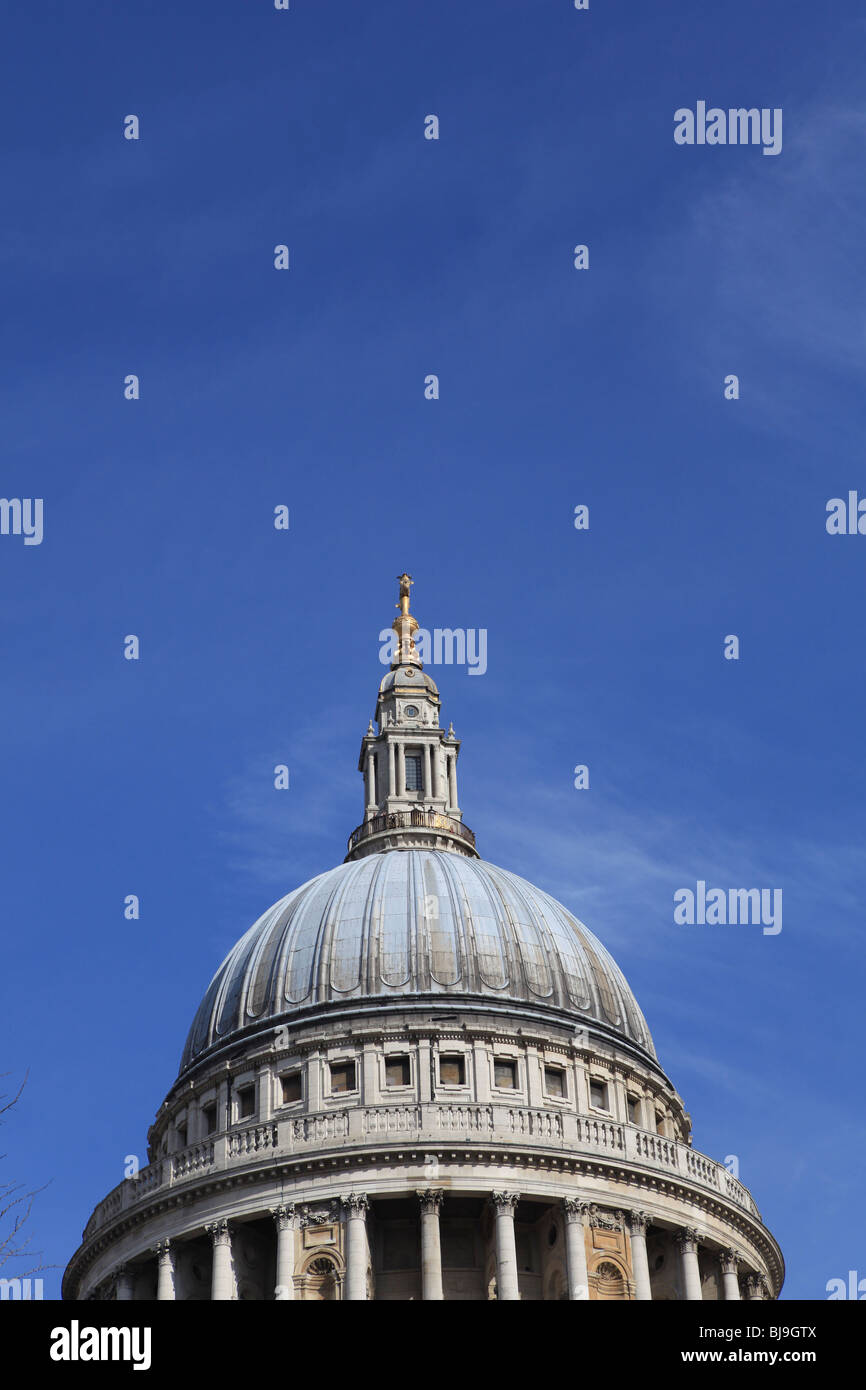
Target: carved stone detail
(501,1200)
(431,1200)
(637,1222)
(687,1240)
(728,1259)
(605,1220)
(574,1209)
(356,1203)
(220,1232)
(284,1216)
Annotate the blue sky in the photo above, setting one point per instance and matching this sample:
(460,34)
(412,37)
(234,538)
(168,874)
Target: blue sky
(558,387)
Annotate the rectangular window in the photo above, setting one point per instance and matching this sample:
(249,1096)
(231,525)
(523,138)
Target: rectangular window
(631,1106)
(397,1071)
(660,1122)
(291,1084)
(598,1095)
(209,1115)
(554,1081)
(342,1076)
(452,1071)
(504,1073)
(246,1102)
(181,1136)
(414,781)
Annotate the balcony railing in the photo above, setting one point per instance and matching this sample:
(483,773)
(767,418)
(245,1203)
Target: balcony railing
(411,820)
(425,1124)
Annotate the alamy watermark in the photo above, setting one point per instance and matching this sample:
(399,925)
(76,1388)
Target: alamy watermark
(444,646)
(736,126)
(729,907)
(24,1289)
(22,516)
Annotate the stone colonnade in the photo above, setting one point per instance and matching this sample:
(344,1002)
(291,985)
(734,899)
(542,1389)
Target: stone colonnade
(503,1205)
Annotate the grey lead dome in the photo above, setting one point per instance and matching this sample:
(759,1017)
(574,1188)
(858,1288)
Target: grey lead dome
(414,922)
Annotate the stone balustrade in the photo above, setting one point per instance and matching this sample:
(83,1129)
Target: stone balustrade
(506,1126)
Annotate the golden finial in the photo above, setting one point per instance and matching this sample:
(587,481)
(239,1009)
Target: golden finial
(406,581)
(404,626)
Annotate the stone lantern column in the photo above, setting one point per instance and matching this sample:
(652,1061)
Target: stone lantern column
(637,1224)
(575,1249)
(687,1240)
(728,1262)
(222,1282)
(431,1248)
(165,1276)
(356,1246)
(284,1219)
(504,1204)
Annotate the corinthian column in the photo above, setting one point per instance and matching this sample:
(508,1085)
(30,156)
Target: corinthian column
(504,1204)
(356,1246)
(371,781)
(575,1249)
(221,1289)
(165,1277)
(637,1224)
(284,1219)
(728,1262)
(431,1250)
(687,1240)
(123,1285)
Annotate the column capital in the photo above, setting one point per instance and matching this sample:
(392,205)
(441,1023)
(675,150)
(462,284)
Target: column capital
(355,1203)
(755,1286)
(574,1209)
(220,1232)
(162,1249)
(284,1216)
(728,1259)
(431,1199)
(637,1222)
(687,1240)
(505,1200)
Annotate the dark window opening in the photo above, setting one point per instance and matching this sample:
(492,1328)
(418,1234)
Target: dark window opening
(210,1118)
(291,1087)
(554,1081)
(414,782)
(342,1076)
(452,1071)
(505,1074)
(246,1102)
(397,1072)
(598,1095)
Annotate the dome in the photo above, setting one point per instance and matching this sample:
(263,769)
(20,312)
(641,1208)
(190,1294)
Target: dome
(416,926)
(407,679)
